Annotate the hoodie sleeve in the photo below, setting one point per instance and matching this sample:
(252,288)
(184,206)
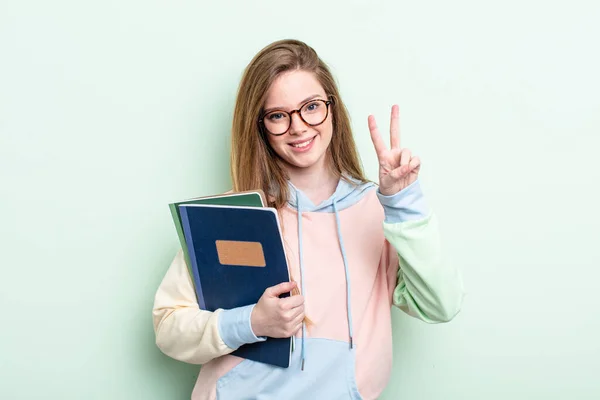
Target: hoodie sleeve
(428,286)
(185,332)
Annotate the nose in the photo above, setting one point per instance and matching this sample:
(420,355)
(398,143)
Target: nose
(297,126)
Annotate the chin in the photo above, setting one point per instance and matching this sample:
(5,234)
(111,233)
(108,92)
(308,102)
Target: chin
(296,163)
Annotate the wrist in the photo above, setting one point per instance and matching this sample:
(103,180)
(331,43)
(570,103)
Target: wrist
(405,205)
(386,192)
(235,328)
(255,324)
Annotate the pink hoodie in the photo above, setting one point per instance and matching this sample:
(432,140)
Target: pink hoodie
(354,256)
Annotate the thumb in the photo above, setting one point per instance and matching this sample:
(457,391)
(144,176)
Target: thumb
(285,287)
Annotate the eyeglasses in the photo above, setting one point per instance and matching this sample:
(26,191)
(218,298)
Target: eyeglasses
(313,113)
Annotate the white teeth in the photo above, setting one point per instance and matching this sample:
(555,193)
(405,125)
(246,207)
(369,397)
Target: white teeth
(303,144)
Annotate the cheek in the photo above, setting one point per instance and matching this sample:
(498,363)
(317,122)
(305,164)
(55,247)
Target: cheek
(328,131)
(275,143)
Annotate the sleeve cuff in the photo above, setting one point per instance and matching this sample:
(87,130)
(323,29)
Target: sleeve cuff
(406,205)
(235,327)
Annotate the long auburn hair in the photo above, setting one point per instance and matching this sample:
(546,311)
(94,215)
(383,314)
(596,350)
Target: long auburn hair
(254,164)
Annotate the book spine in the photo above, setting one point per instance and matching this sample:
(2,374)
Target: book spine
(192,255)
(177,222)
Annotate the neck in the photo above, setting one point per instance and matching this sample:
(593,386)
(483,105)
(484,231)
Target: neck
(317,183)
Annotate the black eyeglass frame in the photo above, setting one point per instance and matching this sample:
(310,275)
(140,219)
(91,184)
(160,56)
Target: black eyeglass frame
(291,113)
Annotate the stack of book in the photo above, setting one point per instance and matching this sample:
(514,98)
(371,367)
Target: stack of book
(234,250)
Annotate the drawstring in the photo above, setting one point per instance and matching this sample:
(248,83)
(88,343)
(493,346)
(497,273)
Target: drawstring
(301,270)
(346,270)
(348,293)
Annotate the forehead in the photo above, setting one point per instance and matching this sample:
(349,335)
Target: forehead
(291,88)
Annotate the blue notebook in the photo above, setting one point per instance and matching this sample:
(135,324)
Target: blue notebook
(236,253)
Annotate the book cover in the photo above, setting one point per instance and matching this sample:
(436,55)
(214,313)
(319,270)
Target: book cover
(236,253)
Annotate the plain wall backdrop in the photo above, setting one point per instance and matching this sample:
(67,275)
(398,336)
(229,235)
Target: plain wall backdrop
(110,110)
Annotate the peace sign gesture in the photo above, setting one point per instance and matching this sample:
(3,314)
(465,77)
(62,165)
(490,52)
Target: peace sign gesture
(397,167)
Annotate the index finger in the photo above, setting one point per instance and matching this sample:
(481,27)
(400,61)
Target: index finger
(376,137)
(395,127)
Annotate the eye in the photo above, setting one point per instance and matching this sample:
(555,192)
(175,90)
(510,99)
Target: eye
(276,116)
(313,106)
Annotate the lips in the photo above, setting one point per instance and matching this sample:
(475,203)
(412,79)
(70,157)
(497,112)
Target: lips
(299,144)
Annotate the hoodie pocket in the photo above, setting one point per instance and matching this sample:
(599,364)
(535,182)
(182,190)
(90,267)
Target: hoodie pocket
(329,373)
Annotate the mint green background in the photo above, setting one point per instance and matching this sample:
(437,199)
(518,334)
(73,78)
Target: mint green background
(110,110)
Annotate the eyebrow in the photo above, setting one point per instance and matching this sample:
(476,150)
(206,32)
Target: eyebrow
(314,96)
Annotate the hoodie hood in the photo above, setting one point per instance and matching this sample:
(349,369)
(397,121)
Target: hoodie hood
(348,192)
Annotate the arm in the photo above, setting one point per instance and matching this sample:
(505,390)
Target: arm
(428,287)
(188,334)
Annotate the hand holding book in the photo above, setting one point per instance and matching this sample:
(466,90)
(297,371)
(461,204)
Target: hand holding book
(278,317)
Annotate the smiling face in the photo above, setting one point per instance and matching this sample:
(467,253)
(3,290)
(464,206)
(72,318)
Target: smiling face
(303,147)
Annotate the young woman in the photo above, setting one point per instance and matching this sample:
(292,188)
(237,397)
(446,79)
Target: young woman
(355,248)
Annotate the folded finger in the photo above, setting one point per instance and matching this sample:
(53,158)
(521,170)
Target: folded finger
(298,320)
(291,302)
(415,162)
(405,156)
(298,311)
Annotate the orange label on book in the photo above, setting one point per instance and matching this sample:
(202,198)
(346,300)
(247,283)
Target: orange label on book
(245,254)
